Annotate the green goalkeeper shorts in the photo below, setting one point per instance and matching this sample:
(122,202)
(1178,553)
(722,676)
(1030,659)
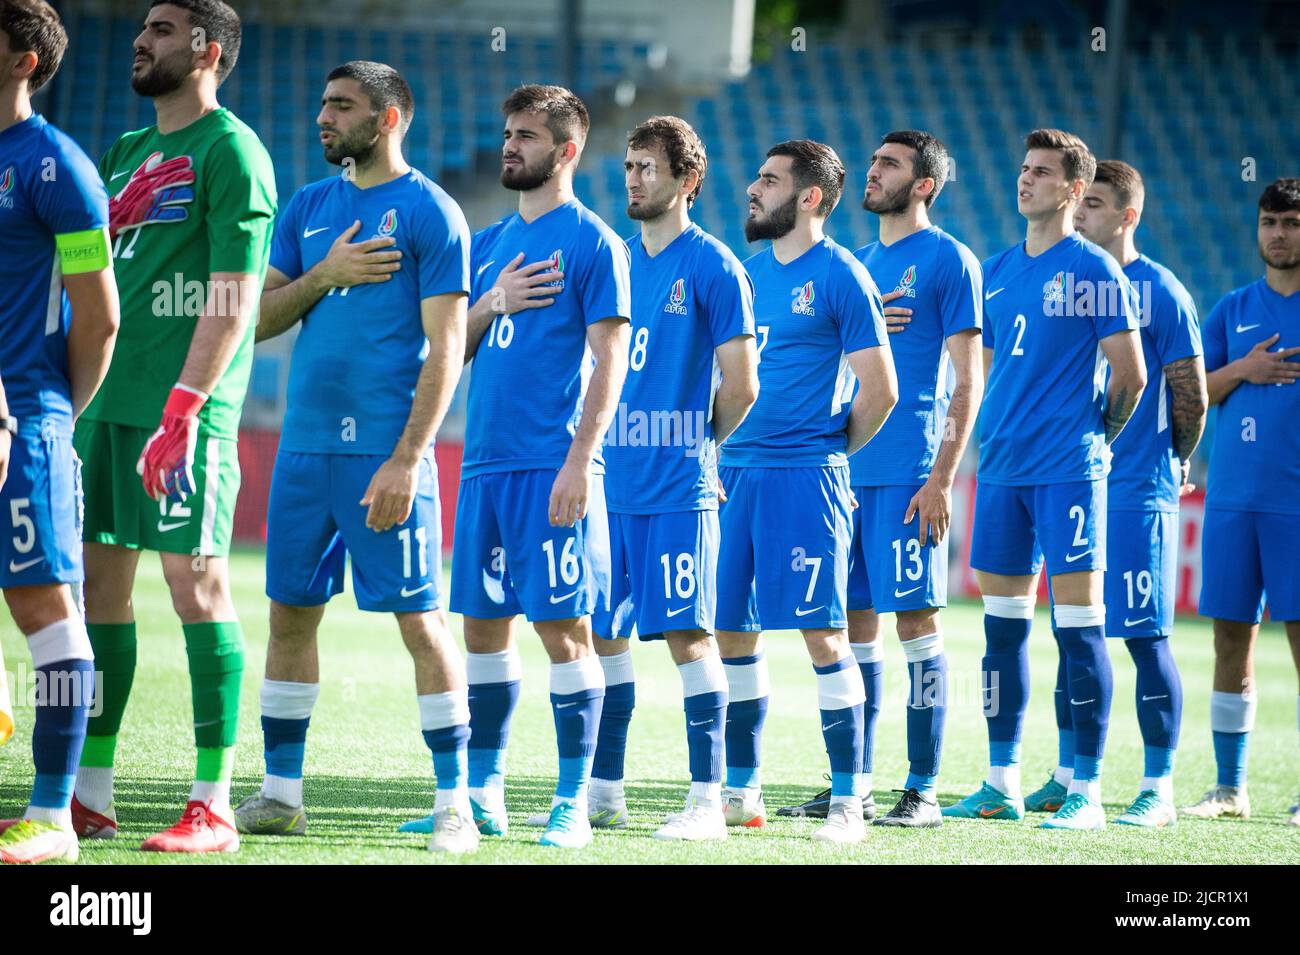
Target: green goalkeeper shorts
(118,511)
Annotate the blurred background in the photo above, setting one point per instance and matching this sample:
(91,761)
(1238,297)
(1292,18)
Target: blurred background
(1194,95)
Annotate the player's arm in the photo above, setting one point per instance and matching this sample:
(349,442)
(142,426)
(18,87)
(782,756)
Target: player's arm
(608,340)
(738,362)
(348,263)
(92,293)
(1259,366)
(517,287)
(988,364)
(933,502)
(1190,402)
(6,441)
(1128,376)
(876,397)
(392,489)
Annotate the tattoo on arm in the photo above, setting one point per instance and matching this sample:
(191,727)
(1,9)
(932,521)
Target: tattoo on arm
(1186,380)
(1118,411)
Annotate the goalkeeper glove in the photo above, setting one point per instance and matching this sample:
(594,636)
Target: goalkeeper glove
(167,462)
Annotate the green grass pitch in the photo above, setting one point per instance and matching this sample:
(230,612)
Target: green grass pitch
(368,770)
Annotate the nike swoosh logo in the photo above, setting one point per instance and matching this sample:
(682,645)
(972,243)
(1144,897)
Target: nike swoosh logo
(565,706)
(118,175)
(1134,623)
(208,723)
(832,725)
(989,295)
(16,568)
(804,613)
(673,613)
(164,528)
(702,723)
(1246,328)
(308,233)
(412,593)
(1075,702)
(484,267)
(905,592)
(556,600)
(1071,558)
(986,813)
(1162,696)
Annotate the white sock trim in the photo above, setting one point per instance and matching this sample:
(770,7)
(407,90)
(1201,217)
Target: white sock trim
(1073,615)
(706,675)
(923,648)
(504,666)
(618,668)
(747,681)
(282,700)
(584,673)
(440,710)
(872,652)
(1232,712)
(64,639)
(841,689)
(1010,608)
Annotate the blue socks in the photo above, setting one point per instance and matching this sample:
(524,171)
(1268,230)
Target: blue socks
(1159,709)
(1081,630)
(840,697)
(927,708)
(1064,720)
(871,664)
(577,696)
(704,690)
(493,694)
(1005,673)
(444,722)
(748,688)
(286,714)
(1232,717)
(65,691)
(620,698)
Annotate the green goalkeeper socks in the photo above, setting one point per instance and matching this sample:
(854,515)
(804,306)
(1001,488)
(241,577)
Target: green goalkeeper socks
(115,653)
(216,656)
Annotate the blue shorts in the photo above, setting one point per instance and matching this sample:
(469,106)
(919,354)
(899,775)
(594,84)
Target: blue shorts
(41,505)
(1249,558)
(507,558)
(784,559)
(1141,573)
(314,520)
(1016,527)
(663,574)
(887,553)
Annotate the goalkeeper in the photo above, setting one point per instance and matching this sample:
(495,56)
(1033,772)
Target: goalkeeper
(190,217)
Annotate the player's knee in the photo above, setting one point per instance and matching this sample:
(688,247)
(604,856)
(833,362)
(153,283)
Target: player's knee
(197,599)
(35,608)
(611,647)
(733,644)
(917,623)
(864,626)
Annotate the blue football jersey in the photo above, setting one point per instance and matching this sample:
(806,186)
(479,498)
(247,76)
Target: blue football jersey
(1145,473)
(48,188)
(360,350)
(1044,319)
(531,369)
(941,283)
(809,314)
(1255,461)
(660,455)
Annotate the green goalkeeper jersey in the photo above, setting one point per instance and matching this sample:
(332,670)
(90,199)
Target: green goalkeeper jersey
(184,205)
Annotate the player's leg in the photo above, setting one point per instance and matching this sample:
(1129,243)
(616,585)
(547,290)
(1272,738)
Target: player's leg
(1232,594)
(1006,560)
(305,559)
(1050,796)
(110,622)
(483,593)
(607,800)
(739,637)
(64,665)
(1141,577)
(1293,637)
(840,699)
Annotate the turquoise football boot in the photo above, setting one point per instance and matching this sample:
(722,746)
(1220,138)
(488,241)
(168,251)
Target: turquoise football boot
(1076,813)
(1048,797)
(1149,811)
(490,822)
(988,803)
(567,828)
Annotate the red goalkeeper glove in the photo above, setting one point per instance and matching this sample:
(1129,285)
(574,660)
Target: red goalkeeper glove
(167,462)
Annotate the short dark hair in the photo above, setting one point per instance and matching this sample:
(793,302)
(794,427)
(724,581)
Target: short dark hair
(219,23)
(33,26)
(382,84)
(1281,195)
(1076,158)
(814,164)
(1124,179)
(680,143)
(930,159)
(566,115)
